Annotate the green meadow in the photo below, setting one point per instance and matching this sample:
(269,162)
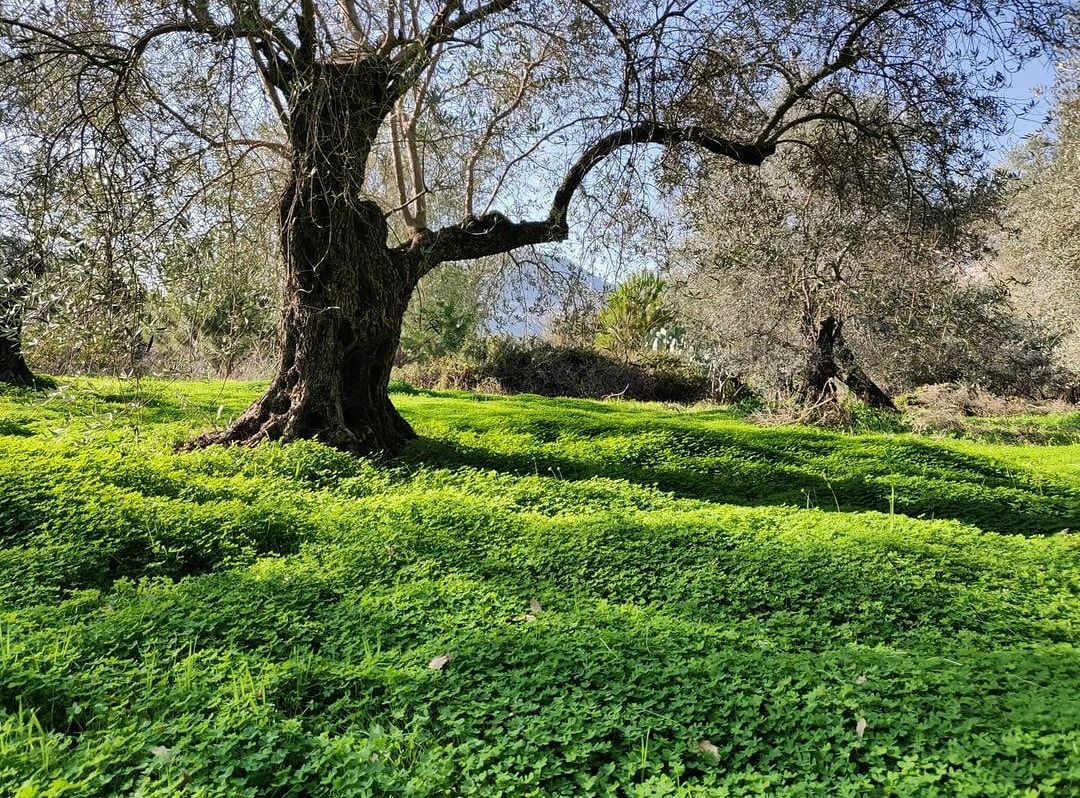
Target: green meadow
(538,598)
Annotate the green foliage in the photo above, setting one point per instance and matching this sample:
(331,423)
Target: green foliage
(969,412)
(1041,259)
(634,601)
(632,311)
(832,230)
(444,314)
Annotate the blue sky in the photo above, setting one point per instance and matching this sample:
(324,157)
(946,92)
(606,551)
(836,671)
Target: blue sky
(1035,81)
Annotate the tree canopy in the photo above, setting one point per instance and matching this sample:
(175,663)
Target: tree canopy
(1042,255)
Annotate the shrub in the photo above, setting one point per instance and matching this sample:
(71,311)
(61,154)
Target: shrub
(546,369)
(672,379)
(632,311)
(972,411)
(446,372)
(550,370)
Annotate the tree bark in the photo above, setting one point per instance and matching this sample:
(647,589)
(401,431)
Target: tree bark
(830,360)
(13,368)
(345,290)
(821,373)
(859,381)
(344,301)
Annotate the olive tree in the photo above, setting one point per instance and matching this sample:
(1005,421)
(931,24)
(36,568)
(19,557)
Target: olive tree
(826,266)
(538,95)
(1041,256)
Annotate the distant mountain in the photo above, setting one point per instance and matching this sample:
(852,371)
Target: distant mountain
(531,291)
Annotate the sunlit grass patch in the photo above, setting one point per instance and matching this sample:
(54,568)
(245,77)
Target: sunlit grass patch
(538,597)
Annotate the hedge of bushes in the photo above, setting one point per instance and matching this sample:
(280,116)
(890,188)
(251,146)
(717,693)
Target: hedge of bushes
(546,369)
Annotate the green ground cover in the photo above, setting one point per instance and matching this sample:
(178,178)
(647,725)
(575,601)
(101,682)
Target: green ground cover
(540,597)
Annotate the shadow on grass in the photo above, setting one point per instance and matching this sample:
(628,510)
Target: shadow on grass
(789,467)
(574,690)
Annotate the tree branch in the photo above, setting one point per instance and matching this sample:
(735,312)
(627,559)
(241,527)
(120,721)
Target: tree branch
(216,31)
(397,139)
(307,35)
(443,28)
(621,39)
(351,18)
(68,45)
(846,57)
(651,133)
(493,233)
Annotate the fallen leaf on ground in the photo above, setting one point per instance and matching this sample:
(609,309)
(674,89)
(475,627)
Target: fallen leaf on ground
(860,728)
(440,661)
(708,748)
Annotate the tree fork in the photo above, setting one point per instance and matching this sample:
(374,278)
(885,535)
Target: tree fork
(829,360)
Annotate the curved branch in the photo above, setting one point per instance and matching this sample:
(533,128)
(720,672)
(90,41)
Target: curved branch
(493,233)
(273,70)
(511,163)
(650,133)
(214,31)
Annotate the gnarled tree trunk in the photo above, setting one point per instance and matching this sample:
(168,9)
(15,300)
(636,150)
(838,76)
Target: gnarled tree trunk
(830,360)
(13,368)
(859,381)
(821,372)
(345,297)
(346,291)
